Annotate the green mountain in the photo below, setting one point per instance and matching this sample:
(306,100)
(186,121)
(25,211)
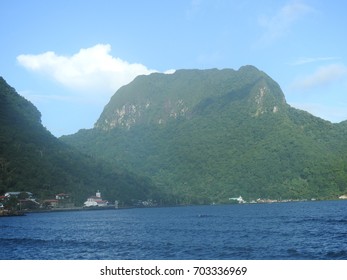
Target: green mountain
(32,159)
(208,135)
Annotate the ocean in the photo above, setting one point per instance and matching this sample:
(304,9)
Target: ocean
(277,231)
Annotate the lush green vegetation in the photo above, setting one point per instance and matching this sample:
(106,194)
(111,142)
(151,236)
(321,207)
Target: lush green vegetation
(31,159)
(196,136)
(207,135)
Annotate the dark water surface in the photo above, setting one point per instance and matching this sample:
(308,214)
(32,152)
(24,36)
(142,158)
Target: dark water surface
(296,230)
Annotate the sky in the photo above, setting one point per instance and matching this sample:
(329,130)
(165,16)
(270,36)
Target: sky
(68,57)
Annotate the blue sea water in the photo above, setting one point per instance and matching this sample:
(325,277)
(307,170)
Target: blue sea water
(295,230)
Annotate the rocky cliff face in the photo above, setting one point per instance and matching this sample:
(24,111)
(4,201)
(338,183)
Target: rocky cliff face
(158,98)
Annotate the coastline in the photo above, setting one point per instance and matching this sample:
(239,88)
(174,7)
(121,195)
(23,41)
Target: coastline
(68,209)
(11,213)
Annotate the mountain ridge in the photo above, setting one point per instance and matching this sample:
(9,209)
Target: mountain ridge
(33,160)
(207,135)
(128,106)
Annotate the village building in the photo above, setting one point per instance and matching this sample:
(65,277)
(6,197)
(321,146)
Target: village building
(28,204)
(62,196)
(62,200)
(24,200)
(95,201)
(50,203)
(17,194)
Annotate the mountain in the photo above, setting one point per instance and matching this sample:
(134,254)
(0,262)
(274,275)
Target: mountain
(159,97)
(208,135)
(33,160)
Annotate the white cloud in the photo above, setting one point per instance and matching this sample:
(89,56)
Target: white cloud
(170,71)
(321,77)
(91,70)
(306,60)
(280,23)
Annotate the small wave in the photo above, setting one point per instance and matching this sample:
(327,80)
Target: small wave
(312,220)
(337,221)
(52,242)
(20,241)
(204,216)
(338,255)
(293,253)
(322,220)
(5,226)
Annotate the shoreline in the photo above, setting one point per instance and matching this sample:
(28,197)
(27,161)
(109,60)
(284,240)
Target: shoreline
(11,213)
(70,209)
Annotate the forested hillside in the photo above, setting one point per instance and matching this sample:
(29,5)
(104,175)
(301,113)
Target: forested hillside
(208,135)
(32,159)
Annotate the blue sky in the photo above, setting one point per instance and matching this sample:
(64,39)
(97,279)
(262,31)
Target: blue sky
(68,57)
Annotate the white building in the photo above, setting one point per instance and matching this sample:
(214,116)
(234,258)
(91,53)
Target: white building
(238,199)
(95,201)
(16,194)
